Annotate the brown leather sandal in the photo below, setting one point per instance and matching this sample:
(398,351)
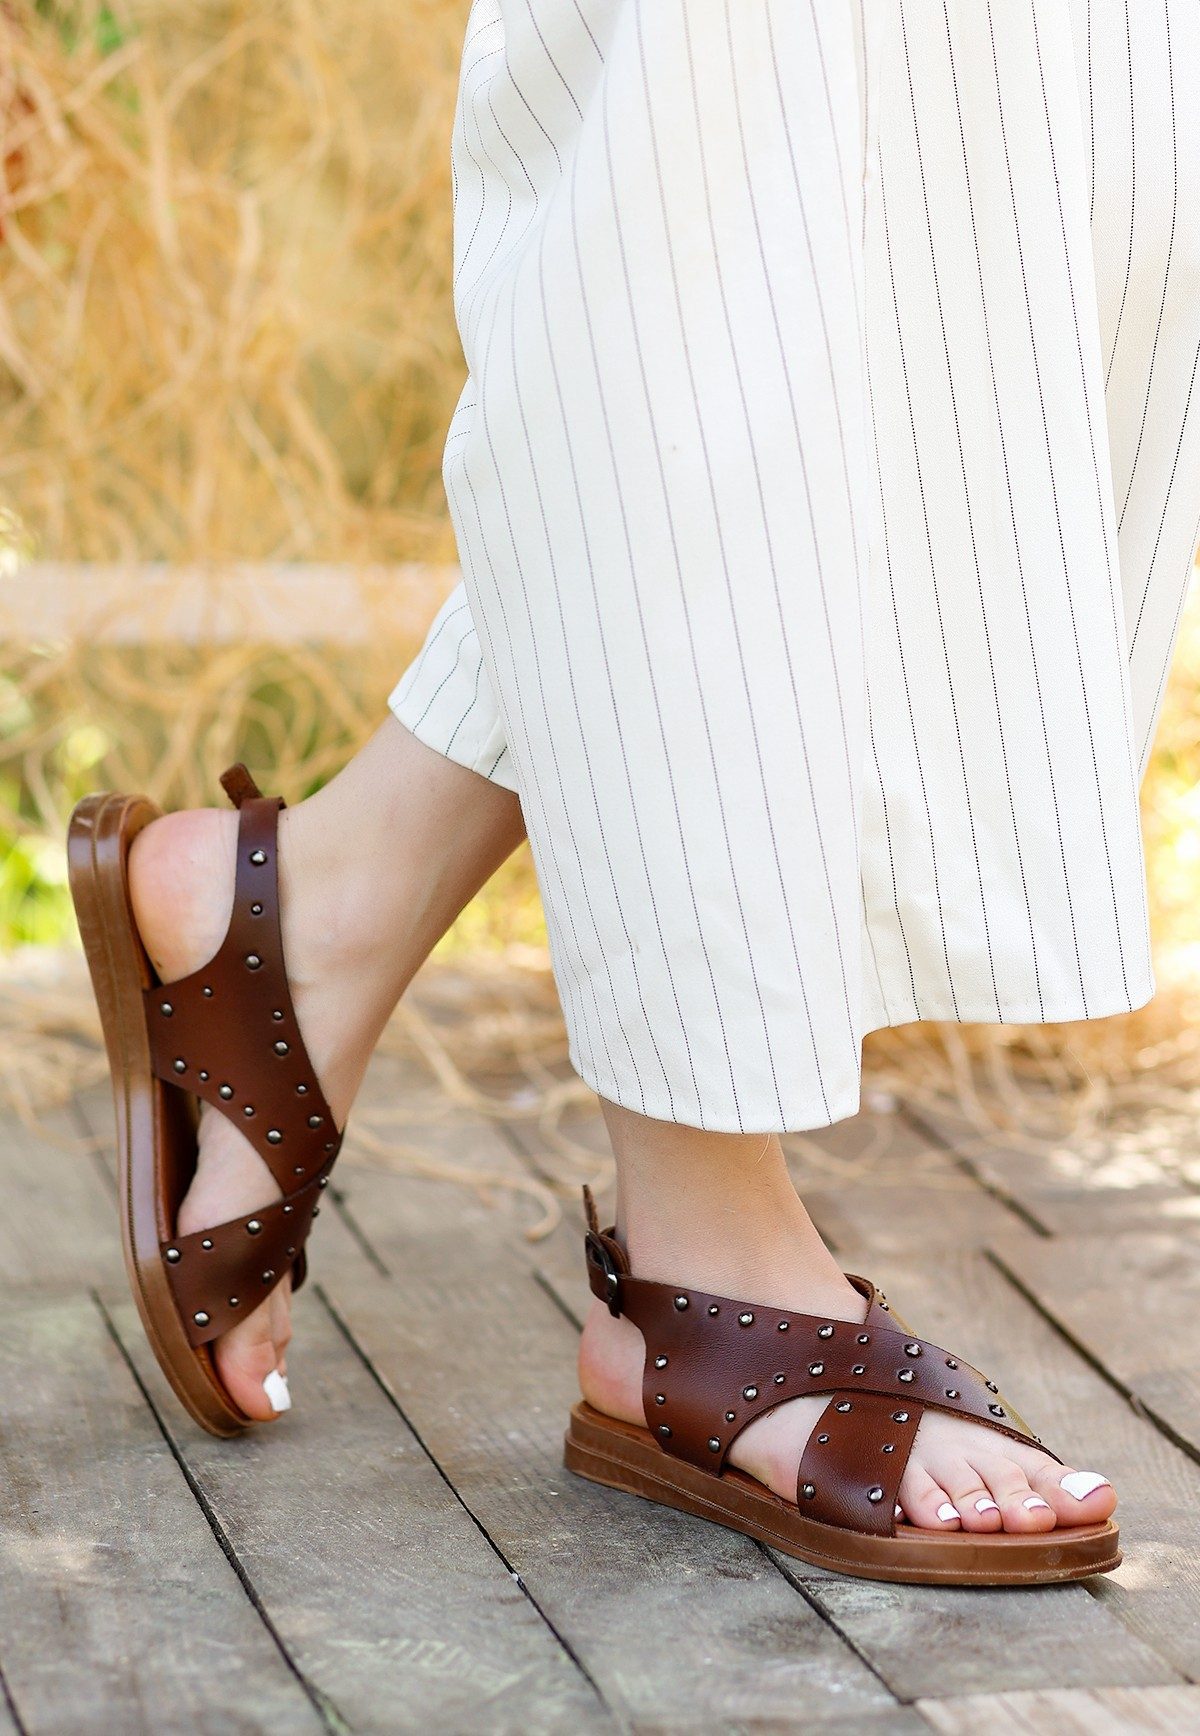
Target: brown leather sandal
(228,1035)
(713,1365)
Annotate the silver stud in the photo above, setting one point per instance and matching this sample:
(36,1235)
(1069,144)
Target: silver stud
(750,1393)
(950,1362)
(991,1386)
(174,1256)
(316,1211)
(179,1064)
(248,1111)
(660,1362)
(815,1368)
(782,1327)
(664,1431)
(235,1301)
(253,1227)
(660,1398)
(681,1302)
(997,1410)
(316,1121)
(713,1308)
(808,1490)
(889,1448)
(864,1338)
(268,1275)
(906,1375)
(746,1319)
(287,1210)
(256,910)
(730,1415)
(298,1169)
(206,1244)
(912,1348)
(253,962)
(899,1416)
(225,1091)
(204,1073)
(258,857)
(779,1379)
(843,1407)
(821,1439)
(206,992)
(273,1136)
(952,1392)
(302,1091)
(277,1015)
(331,1145)
(884,1306)
(290,1252)
(859,1368)
(714,1445)
(200,1317)
(824,1331)
(281,1048)
(166,1009)
(875,1494)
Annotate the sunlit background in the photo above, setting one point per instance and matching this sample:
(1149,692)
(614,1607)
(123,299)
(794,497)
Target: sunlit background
(226,344)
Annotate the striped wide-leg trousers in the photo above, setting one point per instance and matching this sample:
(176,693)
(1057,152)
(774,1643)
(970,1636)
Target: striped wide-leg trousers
(826,485)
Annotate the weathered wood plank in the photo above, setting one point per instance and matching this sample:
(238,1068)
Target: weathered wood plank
(678,1623)
(380,1586)
(1060,1190)
(879,1182)
(121,1612)
(1130,1302)
(1069,1712)
(58,1231)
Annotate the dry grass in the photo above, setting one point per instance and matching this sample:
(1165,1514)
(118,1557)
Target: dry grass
(225,326)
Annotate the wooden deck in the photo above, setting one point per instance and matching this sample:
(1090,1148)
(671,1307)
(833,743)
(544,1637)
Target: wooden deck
(404,1551)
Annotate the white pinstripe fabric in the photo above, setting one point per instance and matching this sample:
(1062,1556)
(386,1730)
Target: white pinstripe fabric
(826,485)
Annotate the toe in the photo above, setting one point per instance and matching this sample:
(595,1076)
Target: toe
(247,1361)
(926,1502)
(1022,1508)
(1076,1497)
(977,1507)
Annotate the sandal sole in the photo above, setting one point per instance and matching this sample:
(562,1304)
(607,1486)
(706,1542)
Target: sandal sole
(101,830)
(623,1456)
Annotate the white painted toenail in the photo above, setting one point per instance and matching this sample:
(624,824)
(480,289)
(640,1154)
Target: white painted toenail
(946,1512)
(985,1504)
(276,1388)
(1032,1501)
(1081,1484)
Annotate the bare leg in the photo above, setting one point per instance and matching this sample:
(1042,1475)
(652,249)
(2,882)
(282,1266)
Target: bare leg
(718,1212)
(375,867)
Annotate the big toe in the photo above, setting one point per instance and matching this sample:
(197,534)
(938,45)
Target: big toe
(250,1360)
(1076,1497)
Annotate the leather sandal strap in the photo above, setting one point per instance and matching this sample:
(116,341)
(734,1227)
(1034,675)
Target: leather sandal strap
(854,1461)
(228,1034)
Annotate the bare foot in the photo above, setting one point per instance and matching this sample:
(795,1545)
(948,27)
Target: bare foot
(181,875)
(959,1475)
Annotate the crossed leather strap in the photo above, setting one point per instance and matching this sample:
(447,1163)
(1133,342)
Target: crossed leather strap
(713,1365)
(228,1034)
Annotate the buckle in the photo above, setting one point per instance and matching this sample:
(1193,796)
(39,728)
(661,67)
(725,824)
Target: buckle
(598,1255)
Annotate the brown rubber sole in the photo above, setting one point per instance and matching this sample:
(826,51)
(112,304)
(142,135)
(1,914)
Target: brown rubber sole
(624,1456)
(156,1137)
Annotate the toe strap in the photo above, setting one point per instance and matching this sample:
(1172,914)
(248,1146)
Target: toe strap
(854,1461)
(218,1276)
